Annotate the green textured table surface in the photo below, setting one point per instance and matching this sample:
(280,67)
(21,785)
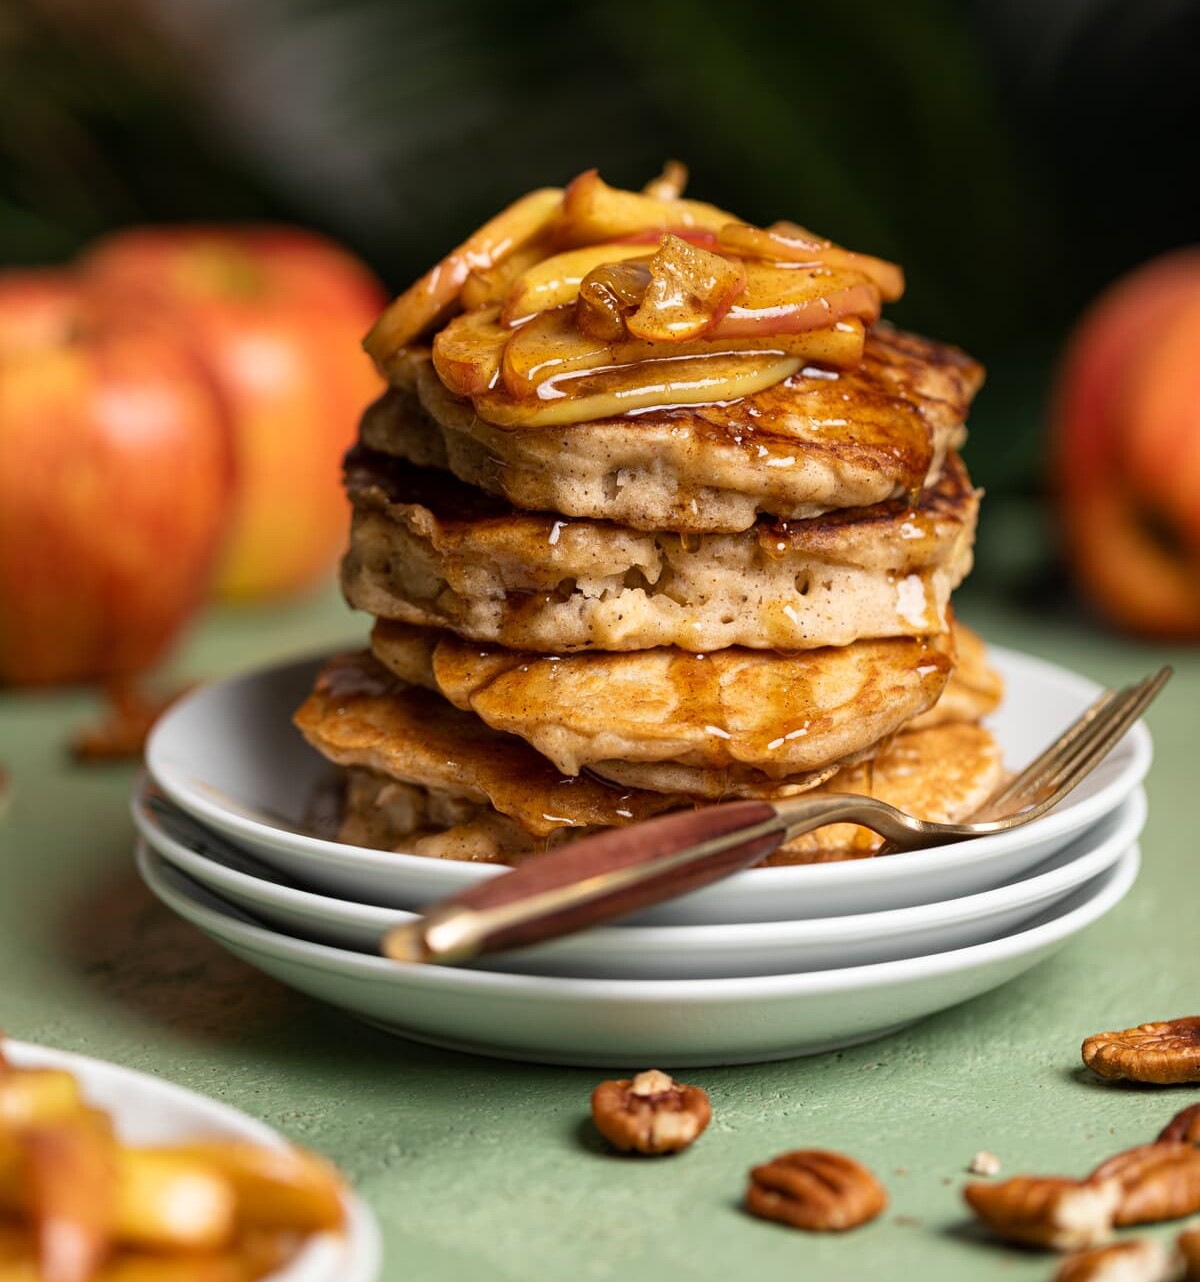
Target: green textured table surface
(480,1169)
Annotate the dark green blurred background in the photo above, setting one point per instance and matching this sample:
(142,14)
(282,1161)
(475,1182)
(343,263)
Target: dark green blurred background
(1014,155)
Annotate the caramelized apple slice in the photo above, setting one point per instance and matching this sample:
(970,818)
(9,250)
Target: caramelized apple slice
(430,300)
(609,295)
(690,290)
(487,286)
(788,300)
(666,380)
(467,352)
(555,281)
(670,183)
(552,345)
(790,243)
(594,211)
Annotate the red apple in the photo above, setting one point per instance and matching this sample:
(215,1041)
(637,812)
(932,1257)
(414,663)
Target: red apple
(39,306)
(115,472)
(277,316)
(1126,449)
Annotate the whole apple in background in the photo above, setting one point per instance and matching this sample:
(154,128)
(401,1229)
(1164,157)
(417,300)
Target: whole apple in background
(39,306)
(1126,449)
(278,316)
(115,473)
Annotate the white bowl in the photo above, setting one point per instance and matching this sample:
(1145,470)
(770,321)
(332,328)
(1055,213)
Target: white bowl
(229,755)
(149,1110)
(633,1023)
(656,952)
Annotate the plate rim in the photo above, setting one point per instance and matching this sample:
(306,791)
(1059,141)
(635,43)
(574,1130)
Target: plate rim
(1118,880)
(1074,816)
(665,937)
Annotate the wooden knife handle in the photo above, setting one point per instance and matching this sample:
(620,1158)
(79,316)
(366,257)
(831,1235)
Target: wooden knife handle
(598,878)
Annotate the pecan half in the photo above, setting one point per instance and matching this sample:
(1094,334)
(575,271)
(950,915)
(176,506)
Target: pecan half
(651,1113)
(1183,1128)
(1188,1243)
(1164,1052)
(1049,1211)
(815,1189)
(1158,1182)
(1138,1261)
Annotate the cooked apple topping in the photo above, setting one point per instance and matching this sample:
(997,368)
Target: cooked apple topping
(592,302)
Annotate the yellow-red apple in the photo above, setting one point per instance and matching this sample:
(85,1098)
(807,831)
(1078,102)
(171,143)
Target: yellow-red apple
(115,473)
(1126,449)
(277,316)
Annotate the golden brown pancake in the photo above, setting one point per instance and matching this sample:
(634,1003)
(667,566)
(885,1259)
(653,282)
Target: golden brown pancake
(974,690)
(360,715)
(944,774)
(820,440)
(781,714)
(427,549)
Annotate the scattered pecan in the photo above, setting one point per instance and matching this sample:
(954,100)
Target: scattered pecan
(1164,1052)
(1189,1248)
(651,1113)
(984,1163)
(1158,1182)
(1183,1128)
(1049,1211)
(1138,1261)
(815,1189)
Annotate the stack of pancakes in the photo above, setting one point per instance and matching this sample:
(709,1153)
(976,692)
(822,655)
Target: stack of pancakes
(582,625)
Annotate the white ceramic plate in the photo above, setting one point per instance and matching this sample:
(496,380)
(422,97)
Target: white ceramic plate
(657,952)
(229,755)
(149,1110)
(632,1023)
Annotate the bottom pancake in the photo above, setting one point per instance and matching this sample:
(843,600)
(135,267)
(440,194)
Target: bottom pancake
(944,773)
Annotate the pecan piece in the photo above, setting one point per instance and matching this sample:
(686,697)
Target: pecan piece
(1049,1211)
(1158,1182)
(1188,1243)
(984,1163)
(815,1189)
(652,1113)
(1165,1052)
(1183,1128)
(1138,1261)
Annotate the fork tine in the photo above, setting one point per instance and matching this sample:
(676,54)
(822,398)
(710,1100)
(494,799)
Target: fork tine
(1067,761)
(1064,755)
(1044,775)
(1115,724)
(1028,779)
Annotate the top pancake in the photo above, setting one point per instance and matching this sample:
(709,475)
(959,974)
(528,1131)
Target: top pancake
(820,440)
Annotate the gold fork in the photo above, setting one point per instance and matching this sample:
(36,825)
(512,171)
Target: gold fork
(598,878)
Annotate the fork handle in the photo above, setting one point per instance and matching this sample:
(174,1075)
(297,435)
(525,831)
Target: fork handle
(602,877)
(591,881)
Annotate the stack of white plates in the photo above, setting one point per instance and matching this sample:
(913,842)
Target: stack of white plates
(770,963)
